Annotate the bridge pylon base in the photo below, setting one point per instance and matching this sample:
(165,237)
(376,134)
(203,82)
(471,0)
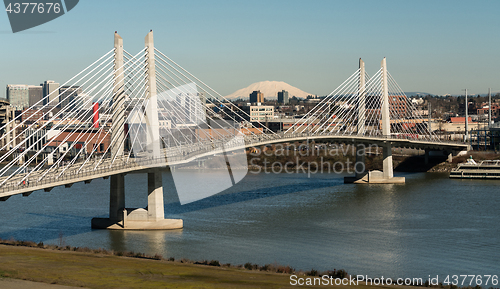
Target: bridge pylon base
(374,177)
(149,218)
(164,224)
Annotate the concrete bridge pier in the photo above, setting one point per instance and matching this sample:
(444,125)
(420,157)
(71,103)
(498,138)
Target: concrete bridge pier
(388,171)
(150,218)
(116,197)
(386,176)
(360,166)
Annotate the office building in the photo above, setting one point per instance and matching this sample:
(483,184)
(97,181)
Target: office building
(67,96)
(256,97)
(35,95)
(259,113)
(50,93)
(18,96)
(283,97)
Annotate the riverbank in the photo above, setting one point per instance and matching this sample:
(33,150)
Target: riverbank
(100,269)
(404,160)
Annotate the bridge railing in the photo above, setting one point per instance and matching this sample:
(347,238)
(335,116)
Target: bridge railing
(176,155)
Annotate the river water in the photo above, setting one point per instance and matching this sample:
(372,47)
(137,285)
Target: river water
(431,225)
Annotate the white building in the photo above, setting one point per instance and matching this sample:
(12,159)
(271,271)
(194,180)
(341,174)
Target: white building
(260,113)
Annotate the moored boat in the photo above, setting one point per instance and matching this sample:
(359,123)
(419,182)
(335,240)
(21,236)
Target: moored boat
(488,169)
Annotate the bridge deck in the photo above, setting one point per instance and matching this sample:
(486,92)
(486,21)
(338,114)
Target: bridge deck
(46,179)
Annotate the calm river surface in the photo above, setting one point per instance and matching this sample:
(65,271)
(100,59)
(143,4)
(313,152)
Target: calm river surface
(431,225)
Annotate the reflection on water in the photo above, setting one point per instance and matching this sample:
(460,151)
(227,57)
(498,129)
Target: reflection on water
(142,241)
(430,225)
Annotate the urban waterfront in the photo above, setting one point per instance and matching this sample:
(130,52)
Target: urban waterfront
(429,226)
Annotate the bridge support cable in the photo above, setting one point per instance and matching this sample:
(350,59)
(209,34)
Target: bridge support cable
(135,89)
(215,96)
(179,76)
(60,113)
(342,105)
(347,116)
(23,122)
(353,121)
(339,112)
(415,114)
(105,93)
(58,147)
(344,113)
(115,139)
(181,80)
(175,107)
(44,125)
(311,114)
(201,121)
(77,119)
(182,88)
(40,102)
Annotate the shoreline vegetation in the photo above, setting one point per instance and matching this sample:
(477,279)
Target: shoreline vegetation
(99,268)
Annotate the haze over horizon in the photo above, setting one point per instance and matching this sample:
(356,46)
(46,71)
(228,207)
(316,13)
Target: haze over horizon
(435,47)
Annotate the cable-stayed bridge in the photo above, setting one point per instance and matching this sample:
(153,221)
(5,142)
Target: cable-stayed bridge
(153,113)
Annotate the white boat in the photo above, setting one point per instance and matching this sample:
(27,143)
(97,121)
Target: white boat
(489,169)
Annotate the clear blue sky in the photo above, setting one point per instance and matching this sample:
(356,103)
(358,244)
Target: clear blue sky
(431,46)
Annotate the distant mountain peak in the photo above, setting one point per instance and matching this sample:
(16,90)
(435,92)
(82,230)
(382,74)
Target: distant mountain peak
(270,90)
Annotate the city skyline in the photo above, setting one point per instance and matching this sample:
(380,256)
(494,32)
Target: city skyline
(439,48)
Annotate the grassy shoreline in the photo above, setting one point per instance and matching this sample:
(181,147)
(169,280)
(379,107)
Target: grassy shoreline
(98,268)
(83,267)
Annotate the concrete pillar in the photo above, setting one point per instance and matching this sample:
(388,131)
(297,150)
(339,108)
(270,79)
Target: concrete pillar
(116,197)
(386,119)
(362,96)
(387,162)
(426,158)
(360,166)
(153,128)
(155,196)
(118,114)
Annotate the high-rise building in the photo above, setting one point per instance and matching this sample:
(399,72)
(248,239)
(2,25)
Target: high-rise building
(35,95)
(18,96)
(193,104)
(50,93)
(256,96)
(67,95)
(283,97)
